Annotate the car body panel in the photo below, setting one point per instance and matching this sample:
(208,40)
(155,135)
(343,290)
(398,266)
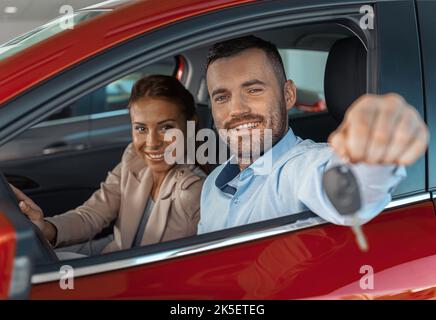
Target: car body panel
(7,255)
(302,264)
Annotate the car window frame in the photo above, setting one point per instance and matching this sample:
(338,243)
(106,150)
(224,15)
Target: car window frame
(284,15)
(428,50)
(393,48)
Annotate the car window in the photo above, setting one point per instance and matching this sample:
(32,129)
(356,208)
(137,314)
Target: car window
(114,96)
(84,123)
(306,68)
(118,92)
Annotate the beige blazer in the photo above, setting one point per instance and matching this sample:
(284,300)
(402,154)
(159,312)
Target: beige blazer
(123,196)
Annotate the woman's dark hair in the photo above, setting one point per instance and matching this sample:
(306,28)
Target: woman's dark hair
(164,87)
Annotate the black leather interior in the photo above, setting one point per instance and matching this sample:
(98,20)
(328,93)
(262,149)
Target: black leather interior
(345,75)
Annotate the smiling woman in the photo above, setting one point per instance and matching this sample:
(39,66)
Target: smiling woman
(150,200)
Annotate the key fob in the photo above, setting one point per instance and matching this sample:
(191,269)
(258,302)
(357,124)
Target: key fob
(342,189)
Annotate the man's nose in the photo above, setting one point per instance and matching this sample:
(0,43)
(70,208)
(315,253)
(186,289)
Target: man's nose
(238,106)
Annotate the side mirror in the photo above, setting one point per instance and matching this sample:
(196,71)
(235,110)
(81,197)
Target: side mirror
(7,255)
(16,247)
(14,271)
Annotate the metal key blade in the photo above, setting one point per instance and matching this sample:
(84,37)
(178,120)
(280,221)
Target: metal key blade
(342,189)
(360,237)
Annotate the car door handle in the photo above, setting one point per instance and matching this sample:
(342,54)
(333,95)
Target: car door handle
(20,182)
(62,147)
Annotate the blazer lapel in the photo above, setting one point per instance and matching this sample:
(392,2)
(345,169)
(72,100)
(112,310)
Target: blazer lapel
(137,193)
(157,222)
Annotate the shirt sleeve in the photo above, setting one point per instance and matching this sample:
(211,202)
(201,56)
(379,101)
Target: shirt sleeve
(376,184)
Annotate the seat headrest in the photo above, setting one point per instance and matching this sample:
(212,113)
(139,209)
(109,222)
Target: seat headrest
(345,75)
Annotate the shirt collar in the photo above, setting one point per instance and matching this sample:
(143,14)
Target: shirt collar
(227,174)
(262,166)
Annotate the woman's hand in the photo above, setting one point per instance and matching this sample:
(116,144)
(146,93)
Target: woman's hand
(35,214)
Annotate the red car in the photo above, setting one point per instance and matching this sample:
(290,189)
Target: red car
(65,90)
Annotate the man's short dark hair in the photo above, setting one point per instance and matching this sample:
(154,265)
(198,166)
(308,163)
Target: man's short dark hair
(232,47)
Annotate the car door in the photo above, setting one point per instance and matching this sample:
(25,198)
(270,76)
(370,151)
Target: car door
(21,247)
(298,256)
(59,144)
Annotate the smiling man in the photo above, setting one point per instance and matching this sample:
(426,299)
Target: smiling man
(249,93)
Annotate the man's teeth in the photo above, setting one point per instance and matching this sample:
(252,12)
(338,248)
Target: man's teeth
(249,125)
(155,156)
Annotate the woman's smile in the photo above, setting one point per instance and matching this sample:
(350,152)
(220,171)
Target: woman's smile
(155,156)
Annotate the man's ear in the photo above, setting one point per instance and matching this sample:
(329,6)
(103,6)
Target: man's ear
(290,92)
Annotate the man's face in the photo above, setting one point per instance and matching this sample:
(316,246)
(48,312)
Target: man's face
(247,97)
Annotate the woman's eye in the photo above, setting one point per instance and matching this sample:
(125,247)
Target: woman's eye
(167,127)
(140,129)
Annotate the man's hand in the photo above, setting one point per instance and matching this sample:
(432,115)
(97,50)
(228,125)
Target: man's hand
(381,129)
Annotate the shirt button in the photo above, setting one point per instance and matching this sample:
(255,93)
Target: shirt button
(236,200)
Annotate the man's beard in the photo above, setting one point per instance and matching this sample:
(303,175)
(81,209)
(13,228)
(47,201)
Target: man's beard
(249,147)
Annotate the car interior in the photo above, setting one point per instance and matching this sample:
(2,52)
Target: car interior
(63,180)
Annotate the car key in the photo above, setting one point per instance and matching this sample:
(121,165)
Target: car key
(342,189)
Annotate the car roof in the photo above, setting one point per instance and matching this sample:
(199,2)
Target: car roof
(108,5)
(43,60)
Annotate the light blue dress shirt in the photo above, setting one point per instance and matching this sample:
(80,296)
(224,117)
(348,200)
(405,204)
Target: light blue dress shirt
(289,184)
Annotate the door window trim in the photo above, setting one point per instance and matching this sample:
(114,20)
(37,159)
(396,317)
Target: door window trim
(94,116)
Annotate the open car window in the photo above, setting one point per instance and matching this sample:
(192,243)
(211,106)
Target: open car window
(306,79)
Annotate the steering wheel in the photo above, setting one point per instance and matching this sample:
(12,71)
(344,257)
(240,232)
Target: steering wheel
(48,253)
(44,251)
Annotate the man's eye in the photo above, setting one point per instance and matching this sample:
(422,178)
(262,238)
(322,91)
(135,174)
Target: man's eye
(254,90)
(221,98)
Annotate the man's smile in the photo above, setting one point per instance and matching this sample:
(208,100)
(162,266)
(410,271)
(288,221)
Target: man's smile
(242,127)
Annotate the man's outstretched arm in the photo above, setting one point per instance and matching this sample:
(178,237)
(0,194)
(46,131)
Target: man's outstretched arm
(378,136)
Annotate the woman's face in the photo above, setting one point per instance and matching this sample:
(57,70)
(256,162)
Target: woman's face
(151,118)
